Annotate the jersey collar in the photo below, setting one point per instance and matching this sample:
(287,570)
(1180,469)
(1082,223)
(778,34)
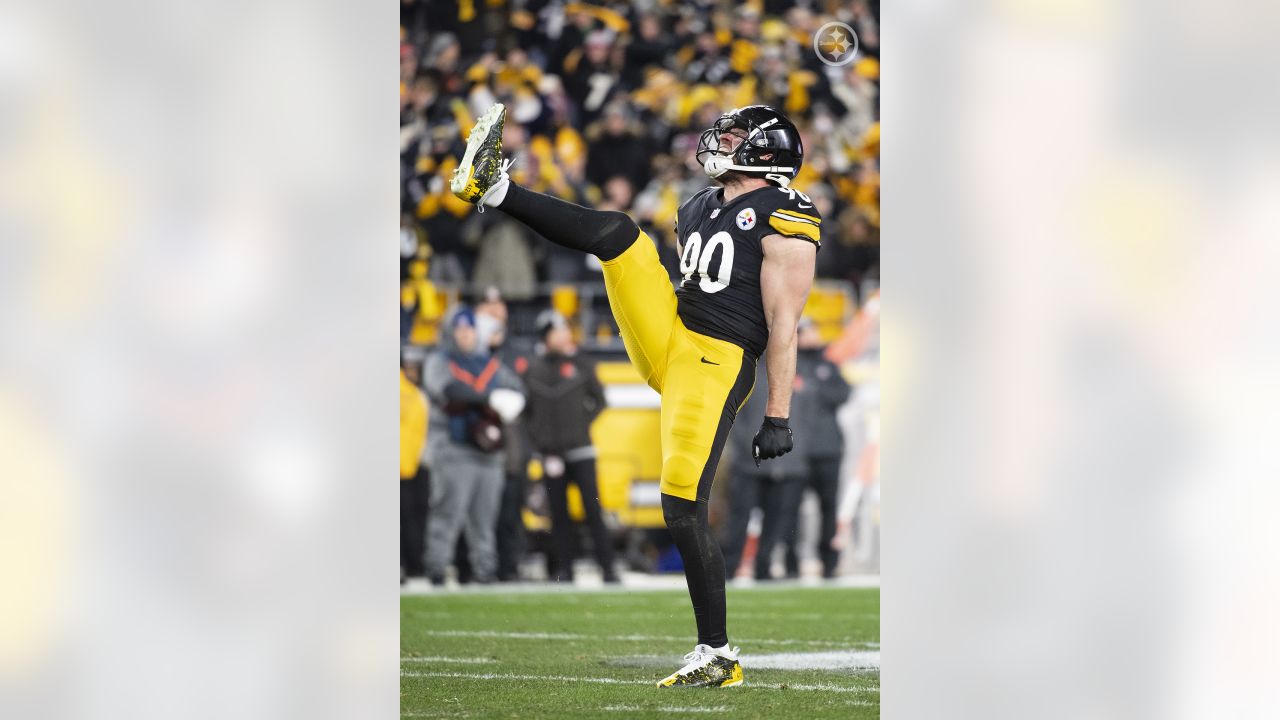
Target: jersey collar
(717,197)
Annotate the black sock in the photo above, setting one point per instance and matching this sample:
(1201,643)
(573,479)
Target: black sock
(703,566)
(603,233)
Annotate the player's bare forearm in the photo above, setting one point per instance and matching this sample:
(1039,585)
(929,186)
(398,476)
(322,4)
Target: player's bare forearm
(785,278)
(780,365)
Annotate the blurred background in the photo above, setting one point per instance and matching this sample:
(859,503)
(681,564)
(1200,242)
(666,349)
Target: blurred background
(606,102)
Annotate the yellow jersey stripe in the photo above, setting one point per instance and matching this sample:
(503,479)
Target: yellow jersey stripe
(799,217)
(795,228)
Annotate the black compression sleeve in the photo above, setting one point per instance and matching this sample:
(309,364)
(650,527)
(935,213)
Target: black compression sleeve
(603,233)
(703,566)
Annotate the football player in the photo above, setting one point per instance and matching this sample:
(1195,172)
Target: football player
(747,252)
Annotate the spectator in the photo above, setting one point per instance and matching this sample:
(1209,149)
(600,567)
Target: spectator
(775,488)
(864,486)
(616,149)
(505,260)
(647,50)
(420,306)
(491,317)
(491,320)
(471,395)
(564,398)
(710,64)
(590,77)
(818,393)
(410,243)
(414,479)
(617,195)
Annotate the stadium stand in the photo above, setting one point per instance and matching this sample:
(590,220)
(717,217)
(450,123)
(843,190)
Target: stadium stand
(606,102)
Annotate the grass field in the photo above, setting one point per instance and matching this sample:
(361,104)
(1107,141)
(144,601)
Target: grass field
(806,653)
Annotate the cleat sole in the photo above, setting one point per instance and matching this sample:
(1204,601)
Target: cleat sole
(475,139)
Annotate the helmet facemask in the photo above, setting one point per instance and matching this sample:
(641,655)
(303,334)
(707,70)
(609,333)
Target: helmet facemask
(754,156)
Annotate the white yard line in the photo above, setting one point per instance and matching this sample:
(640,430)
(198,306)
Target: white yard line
(635,638)
(844,659)
(681,710)
(442,659)
(682,612)
(515,676)
(833,660)
(822,687)
(508,635)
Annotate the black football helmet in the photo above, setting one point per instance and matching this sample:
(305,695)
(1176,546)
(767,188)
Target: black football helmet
(769,132)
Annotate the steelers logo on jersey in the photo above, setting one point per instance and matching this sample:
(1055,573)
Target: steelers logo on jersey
(747,219)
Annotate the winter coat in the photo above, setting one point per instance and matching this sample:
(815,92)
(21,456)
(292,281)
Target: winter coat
(817,393)
(565,396)
(458,387)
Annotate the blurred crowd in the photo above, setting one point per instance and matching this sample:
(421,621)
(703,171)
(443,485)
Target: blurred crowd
(474,411)
(606,102)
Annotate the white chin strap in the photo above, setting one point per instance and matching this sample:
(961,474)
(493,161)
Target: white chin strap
(717,165)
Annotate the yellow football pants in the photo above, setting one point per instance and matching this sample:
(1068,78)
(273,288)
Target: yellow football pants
(703,381)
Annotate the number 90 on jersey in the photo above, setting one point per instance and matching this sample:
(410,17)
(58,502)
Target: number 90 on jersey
(697,258)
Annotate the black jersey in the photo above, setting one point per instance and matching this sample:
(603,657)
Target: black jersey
(721,253)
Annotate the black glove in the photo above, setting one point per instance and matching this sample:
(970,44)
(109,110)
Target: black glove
(773,440)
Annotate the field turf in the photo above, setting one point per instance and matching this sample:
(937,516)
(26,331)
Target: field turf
(808,652)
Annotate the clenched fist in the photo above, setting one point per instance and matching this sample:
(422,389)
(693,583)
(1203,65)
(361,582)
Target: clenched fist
(773,440)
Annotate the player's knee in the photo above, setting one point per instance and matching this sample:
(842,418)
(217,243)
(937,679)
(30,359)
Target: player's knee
(617,232)
(680,478)
(678,512)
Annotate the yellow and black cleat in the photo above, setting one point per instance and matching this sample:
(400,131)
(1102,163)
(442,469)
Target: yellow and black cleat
(706,668)
(481,166)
